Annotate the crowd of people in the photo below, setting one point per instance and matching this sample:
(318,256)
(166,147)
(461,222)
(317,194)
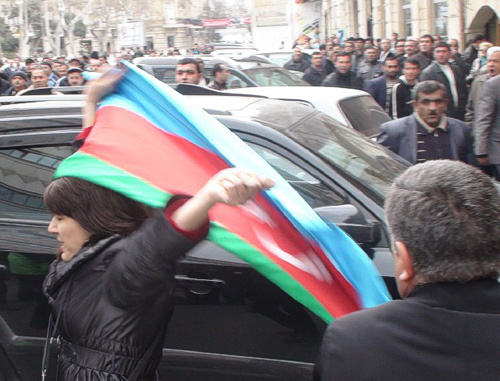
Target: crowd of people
(46,73)
(433,92)
(391,70)
(23,77)
(388,69)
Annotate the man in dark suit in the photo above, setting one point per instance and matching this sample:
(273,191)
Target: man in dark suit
(487,126)
(316,73)
(381,88)
(444,217)
(343,76)
(298,62)
(428,134)
(451,76)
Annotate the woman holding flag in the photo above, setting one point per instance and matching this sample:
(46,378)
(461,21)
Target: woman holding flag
(110,288)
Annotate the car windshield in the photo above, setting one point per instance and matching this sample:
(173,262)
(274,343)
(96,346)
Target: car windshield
(279,59)
(274,76)
(364,114)
(353,154)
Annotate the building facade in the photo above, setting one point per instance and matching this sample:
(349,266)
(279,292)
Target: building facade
(460,19)
(154,25)
(109,25)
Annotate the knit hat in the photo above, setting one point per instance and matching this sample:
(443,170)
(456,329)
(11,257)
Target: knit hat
(21,74)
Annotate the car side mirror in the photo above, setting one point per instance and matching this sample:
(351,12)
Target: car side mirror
(347,217)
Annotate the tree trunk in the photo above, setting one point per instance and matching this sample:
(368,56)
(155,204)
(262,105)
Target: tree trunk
(48,42)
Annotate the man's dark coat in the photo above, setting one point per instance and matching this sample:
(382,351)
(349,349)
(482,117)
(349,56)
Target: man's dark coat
(442,331)
(433,72)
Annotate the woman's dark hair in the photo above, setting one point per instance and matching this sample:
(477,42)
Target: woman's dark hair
(100,211)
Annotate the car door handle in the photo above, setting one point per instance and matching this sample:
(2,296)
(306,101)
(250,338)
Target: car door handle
(185,280)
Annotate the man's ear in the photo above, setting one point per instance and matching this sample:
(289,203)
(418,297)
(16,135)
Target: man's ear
(405,272)
(405,262)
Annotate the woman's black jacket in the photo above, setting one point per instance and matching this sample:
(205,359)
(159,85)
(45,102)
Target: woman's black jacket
(111,300)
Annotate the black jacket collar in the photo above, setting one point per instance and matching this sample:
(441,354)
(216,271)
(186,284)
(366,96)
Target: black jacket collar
(477,296)
(59,270)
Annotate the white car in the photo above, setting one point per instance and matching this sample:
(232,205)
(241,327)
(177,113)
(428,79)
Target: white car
(234,52)
(354,108)
(282,56)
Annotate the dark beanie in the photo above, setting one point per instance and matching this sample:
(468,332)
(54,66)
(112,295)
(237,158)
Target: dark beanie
(21,74)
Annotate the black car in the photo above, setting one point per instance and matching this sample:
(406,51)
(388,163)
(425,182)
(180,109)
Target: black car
(230,323)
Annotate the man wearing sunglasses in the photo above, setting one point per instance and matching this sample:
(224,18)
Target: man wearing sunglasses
(428,134)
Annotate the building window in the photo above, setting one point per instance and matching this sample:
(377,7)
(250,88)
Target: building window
(406,4)
(441,18)
(150,43)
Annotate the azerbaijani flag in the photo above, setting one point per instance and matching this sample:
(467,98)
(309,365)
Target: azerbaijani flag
(149,142)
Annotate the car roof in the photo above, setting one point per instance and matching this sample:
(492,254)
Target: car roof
(287,51)
(320,97)
(276,51)
(235,52)
(229,45)
(244,62)
(66,110)
(167,60)
(313,92)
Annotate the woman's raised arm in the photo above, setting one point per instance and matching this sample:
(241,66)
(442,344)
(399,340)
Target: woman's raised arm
(233,186)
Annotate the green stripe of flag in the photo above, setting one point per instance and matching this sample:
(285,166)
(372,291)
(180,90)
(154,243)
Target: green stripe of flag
(88,167)
(245,251)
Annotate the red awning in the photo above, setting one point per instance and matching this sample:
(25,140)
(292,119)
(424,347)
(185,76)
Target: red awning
(216,23)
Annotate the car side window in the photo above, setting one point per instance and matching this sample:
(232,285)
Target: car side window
(309,187)
(26,247)
(166,75)
(235,82)
(25,174)
(364,114)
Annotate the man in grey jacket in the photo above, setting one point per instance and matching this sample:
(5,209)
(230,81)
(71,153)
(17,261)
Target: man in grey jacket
(487,127)
(428,134)
(476,90)
(370,67)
